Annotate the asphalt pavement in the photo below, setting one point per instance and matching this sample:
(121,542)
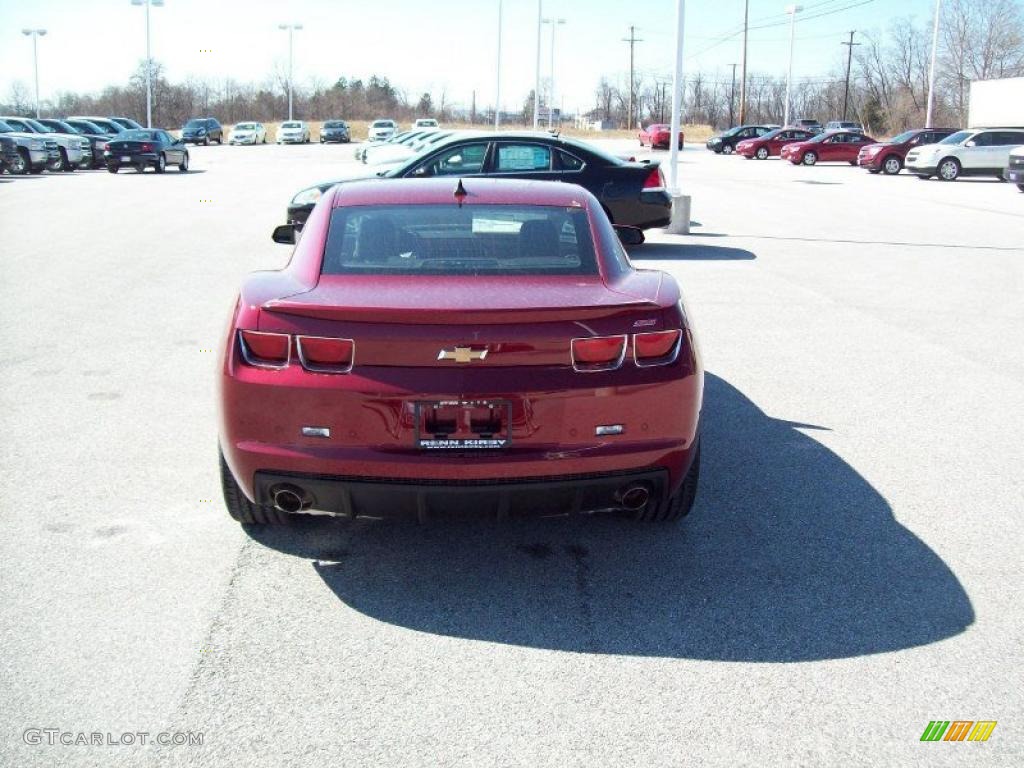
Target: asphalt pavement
(850,572)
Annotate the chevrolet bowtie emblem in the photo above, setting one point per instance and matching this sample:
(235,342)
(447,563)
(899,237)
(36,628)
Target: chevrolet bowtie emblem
(462,354)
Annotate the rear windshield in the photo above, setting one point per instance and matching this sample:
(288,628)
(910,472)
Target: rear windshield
(453,240)
(139,136)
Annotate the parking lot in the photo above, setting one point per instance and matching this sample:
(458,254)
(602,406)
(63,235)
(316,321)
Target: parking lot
(850,572)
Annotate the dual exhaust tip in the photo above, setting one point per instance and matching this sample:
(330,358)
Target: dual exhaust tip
(292,499)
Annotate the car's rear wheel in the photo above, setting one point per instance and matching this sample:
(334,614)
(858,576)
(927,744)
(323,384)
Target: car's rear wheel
(810,158)
(161,164)
(762,153)
(681,502)
(240,508)
(113,168)
(892,165)
(949,169)
(140,167)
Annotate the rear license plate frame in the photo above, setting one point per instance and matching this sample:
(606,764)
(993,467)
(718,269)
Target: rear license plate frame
(462,440)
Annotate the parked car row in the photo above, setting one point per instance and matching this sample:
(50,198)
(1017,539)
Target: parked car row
(945,153)
(58,144)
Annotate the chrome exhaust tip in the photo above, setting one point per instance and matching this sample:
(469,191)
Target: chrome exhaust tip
(290,499)
(634,497)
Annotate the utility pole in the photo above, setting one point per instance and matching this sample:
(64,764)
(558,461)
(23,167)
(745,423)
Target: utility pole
(291,28)
(732,95)
(472,109)
(632,40)
(931,68)
(35,34)
(551,89)
(743,76)
(792,10)
(497,75)
(849,61)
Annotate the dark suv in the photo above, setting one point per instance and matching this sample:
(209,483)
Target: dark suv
(888,156)
(202,130)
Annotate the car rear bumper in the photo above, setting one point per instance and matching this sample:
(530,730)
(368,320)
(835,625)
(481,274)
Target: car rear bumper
(136,157)
(395,498)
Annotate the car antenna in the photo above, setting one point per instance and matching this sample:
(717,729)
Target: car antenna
(460,193)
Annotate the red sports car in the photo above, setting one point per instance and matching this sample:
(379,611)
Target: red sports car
(437,343)
(771,144)
(656,136)
(832,147)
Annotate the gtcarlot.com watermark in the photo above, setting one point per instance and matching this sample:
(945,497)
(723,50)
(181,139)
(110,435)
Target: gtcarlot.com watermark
(56,736)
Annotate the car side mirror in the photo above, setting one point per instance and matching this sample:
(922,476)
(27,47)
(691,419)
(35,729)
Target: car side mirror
(629,235)
(284,234)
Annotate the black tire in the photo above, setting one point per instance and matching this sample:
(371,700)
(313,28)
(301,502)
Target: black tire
(55,165)
(809,158)
(65,164)
(161,163)
(728,149)
(948,169)
(681,502)
(206,141)
(891,165)
(924,176)
(140,167)
(1020,187)
(240,508)
(873,171)
(113,168)
(22,165)
(183,165)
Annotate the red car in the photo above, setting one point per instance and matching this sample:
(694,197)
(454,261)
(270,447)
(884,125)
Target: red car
(832,147)
(888,157)
(656,136)
(443,344)
(771,144)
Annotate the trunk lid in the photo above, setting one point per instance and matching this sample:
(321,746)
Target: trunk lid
(411,321)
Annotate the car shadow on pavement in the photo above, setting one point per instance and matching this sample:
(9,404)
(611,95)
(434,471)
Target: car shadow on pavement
(789,555)
(689,252)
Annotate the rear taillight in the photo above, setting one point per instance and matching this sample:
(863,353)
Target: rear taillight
(654,181)
(603,353)
(657,348)
(265,350)
(325,355)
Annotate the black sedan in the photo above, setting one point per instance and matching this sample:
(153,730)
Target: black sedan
(725,143)
(631,193)
(336,131)
(141,149)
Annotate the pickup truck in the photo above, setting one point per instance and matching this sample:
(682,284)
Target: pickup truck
(35,152)
(75,150)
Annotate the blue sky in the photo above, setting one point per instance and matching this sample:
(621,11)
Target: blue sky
(421,44)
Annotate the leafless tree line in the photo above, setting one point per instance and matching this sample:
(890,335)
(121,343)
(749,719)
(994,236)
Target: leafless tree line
(979,40)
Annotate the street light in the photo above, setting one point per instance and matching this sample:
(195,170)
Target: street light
(149,60)
(792,10)
(931,68)
(536,71)
(291,30)
(677,103)
(497,74)
(551,96)
(35,34)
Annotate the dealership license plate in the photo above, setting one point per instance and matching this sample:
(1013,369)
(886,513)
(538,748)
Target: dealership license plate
(463,425)
(125,159)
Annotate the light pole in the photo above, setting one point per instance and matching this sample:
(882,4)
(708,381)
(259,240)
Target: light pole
(149,61)
(497,75)
(35,34)
(792,10)
(551,96)
(677,102)
(291,31)
(931,68)
(536,74)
